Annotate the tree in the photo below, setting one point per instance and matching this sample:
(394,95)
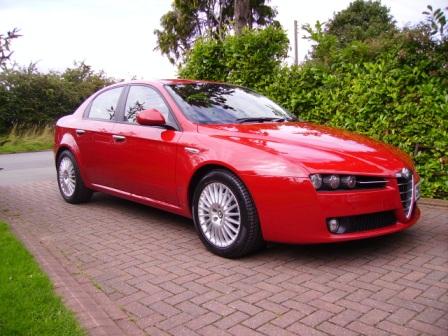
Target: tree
(436,20)
(242,15)
(250,59)
(190,19)
(5,46)
(360,21)
(29,97)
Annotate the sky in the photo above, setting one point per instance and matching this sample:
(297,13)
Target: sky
(117,36)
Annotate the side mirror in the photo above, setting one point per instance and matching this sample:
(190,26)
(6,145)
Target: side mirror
(151,117)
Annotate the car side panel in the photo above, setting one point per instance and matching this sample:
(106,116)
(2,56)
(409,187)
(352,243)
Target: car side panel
(146,161)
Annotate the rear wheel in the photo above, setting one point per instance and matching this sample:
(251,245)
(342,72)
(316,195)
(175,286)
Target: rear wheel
(70,183)
(225,215)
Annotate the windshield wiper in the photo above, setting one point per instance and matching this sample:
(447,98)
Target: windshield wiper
(259,119)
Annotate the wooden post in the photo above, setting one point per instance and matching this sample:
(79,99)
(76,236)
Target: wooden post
(296,54)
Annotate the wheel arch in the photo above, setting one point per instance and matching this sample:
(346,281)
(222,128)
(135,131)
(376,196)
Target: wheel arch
(201,172)
(68,143)
(60,150)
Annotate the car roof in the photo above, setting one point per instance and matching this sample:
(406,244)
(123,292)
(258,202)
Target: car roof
(169,81)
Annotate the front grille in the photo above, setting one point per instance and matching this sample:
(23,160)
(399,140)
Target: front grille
(365,222)
(405,186)
(370,182)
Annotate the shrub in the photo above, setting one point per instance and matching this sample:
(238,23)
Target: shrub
(248,59)
(29,97)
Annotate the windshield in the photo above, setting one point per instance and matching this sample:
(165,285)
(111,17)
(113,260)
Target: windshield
(215,103)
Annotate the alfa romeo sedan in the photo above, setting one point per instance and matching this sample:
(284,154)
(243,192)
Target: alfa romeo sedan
(241,166)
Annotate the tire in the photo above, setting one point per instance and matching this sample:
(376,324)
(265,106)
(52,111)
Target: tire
(71,185)
(225,216)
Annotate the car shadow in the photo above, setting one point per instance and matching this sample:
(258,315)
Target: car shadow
(368,249)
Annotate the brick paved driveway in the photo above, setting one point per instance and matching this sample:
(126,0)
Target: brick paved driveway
(129,269)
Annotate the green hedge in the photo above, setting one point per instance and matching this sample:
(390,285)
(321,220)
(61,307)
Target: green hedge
(398,105)
(29,97)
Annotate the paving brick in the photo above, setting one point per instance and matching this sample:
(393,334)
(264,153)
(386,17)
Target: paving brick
(316,318)
(336,330)
(218,308)
(374,316)
(272,307)
(231,320)
(302,307)
(157,279)
(345,317)
(426,328)
(245,307)
(365,329)
(212,330)
(430,315)
(203,320)
(174,321)
(270,329)
(191,308)
(288,318)
(397,329)
(137,309)
(302,329)
(259,319)
(240,330)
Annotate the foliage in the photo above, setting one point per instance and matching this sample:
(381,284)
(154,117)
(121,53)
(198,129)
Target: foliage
(5,46)
(27,140)
(28,97)
(28,305)
(360,21)
(436,19)
(189,20)
(392,86)
(248,59)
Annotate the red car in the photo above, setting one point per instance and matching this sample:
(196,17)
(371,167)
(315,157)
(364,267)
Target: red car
(241,166)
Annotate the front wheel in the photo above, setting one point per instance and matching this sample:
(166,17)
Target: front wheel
(225,215)
(70,183)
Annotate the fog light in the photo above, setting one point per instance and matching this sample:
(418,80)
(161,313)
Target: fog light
(316,180)
(349,181)
(333,225)
(332,181)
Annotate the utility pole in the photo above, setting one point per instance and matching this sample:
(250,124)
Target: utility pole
(296,54)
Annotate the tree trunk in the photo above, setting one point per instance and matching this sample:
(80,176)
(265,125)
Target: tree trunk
(242,15)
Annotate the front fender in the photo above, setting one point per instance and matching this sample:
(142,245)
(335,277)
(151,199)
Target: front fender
(197,150)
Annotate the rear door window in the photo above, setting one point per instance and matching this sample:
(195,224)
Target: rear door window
(104,106)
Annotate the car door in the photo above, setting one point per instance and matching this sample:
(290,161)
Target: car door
(147,154)
(95,138)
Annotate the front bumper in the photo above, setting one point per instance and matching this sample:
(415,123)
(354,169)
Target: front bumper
(291,211)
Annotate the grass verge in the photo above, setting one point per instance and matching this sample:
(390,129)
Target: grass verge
(33,139)
(28,305)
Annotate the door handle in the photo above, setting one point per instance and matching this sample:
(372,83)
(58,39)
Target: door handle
(80,131)
(119,138)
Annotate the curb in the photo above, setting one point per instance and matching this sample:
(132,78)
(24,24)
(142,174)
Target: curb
(87,305)
(433,202)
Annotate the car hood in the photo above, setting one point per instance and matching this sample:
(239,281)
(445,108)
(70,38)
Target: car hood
(316,148)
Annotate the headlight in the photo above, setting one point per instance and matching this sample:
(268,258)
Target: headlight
(349,181)
(333,181)
(316,180)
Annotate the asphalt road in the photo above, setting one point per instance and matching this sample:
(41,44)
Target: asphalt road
(26,167)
